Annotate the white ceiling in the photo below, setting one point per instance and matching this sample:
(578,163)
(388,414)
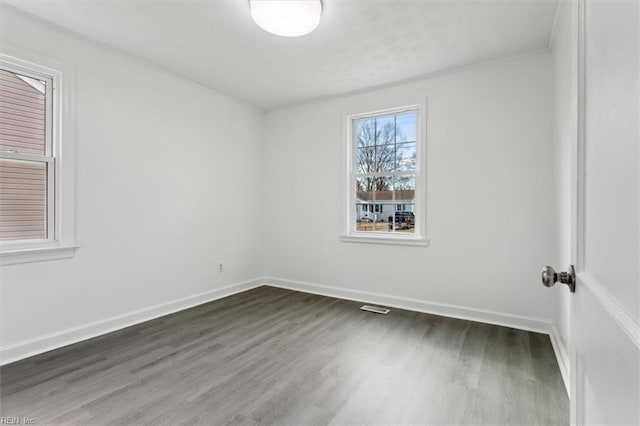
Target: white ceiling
(359,44)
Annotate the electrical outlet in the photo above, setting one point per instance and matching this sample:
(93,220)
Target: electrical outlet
(220,268)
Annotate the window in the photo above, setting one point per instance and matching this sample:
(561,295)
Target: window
(385,149)
(31,179)
(27,162)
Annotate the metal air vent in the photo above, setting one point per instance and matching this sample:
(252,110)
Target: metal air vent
(375,309)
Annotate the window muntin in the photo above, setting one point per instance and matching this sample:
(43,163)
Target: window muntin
(384,172)
(27,162)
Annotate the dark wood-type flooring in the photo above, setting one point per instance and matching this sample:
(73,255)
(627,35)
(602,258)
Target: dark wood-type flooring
(274,356)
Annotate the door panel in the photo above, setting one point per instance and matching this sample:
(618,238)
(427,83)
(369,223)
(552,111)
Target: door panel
(608,363)
(611,249)
(605,337)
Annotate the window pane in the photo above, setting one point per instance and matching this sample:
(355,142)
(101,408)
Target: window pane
(366,160)
(385,130)
(387,143)
(383,187)
(406,156)
(377,159)
(370,189)
(406,127)
(22,113)
(371,215)
(364,189)
(364,218)
(366,132)
(404,195)
(385,156)
(377,221)
(405,220)
(23,200)
(386,217)
(405,187)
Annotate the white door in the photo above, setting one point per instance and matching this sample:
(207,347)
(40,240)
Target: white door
(605,335)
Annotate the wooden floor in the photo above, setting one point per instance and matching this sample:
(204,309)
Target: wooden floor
(274,356)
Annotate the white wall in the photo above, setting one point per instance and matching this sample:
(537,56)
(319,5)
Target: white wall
(491,199)
(167,174)
(173,178)
(565,56)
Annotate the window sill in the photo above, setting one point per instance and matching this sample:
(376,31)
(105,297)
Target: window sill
(39,254)
(420,242)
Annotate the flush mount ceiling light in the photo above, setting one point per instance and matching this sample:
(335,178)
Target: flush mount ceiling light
(287,18)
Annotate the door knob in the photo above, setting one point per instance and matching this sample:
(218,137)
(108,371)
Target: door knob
(550,277)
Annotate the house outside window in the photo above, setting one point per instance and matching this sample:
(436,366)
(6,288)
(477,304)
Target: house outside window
(385,171)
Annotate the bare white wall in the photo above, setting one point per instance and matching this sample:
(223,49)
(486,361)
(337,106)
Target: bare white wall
(167,174)
(491,199)
(564,45)
(173,178)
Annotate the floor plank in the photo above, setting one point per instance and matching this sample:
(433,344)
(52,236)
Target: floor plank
(275,356)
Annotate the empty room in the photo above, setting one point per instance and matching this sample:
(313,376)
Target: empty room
(320,212)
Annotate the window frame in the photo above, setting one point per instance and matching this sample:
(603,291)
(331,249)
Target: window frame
(48,158)
(59,154)
(350,233)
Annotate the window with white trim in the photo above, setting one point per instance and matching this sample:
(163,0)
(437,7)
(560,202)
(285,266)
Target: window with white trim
(27,158)
(37,157)
(385,171)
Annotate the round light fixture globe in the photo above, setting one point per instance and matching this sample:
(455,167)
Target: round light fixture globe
(287,18)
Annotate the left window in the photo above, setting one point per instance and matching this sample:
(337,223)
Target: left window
(37,156)
(27,157)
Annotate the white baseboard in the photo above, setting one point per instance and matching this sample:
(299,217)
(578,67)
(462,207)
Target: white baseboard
(453,311)
(73,335)
(472,314)
(562,357)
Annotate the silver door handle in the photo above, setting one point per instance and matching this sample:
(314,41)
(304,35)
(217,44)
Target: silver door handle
(550,277)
